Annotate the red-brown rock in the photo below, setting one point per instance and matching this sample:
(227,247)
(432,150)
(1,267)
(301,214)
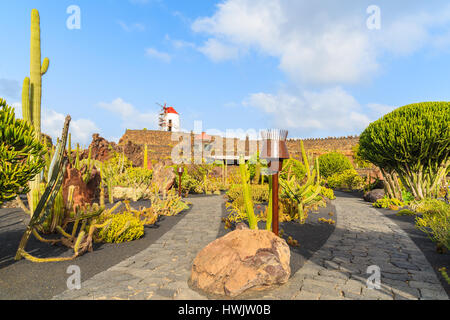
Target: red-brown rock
(163,176)
(83,193)
(240,261)
(101,149)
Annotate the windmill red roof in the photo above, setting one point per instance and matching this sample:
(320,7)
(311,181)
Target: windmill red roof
(170,110)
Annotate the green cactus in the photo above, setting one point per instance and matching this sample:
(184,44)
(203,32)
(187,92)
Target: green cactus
(257,172)
(305,159)
(87,175)
(77,157)
(145,164)
(55,178)
(26,110)
(305,194)
(69,149)
(245,177)
(32,87)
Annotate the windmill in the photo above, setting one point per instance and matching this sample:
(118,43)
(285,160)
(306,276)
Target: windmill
(169,118)
(162,113)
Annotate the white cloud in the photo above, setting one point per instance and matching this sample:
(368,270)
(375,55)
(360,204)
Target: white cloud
(151,52)
(52,123)
(17,109)
(324,42)
(81,130)
(378,110)
(131,117)
(131,27)
(332,110)
(218,51)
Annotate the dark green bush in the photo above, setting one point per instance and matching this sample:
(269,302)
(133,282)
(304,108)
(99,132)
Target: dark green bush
(332,163)
(21,154)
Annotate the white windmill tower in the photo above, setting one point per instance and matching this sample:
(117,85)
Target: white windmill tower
(169,119)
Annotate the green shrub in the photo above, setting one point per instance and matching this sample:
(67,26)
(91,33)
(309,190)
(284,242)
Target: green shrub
(21,154)
(435,222)
(135,177)
(414,142)
(294,168)
(348,179)
(259,193)
(357,160)
(333,163)
(327,193)
(430,206)
(388,203)
(407,197)
(124,227)
(406,212)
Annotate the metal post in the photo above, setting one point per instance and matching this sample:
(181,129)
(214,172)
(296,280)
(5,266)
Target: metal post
(180,173)
(275,216)
(179,186)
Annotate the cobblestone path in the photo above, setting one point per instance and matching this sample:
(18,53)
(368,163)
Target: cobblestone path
(363,237)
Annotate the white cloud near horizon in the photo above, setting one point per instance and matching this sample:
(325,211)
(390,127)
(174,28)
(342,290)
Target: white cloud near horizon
(131,117)
(52,123)
(329,110)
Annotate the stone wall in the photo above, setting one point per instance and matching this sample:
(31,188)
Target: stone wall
(160,144)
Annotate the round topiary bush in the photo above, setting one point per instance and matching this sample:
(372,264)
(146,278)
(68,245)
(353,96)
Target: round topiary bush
(332,163)
(413,142)
(21,154)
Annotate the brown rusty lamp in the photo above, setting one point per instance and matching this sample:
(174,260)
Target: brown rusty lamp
(180,173)
(274,150)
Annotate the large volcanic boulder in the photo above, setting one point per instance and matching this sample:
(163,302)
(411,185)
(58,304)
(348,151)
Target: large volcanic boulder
(101,149)
(163,176)
(84,193)
(134,153)
(374,195)
(242,260)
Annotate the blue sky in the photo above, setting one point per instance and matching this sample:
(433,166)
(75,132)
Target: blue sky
(314,68)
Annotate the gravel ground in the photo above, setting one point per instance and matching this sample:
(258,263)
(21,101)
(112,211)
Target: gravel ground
(27,280)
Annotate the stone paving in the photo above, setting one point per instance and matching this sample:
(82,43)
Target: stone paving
(160,271)
(338,271)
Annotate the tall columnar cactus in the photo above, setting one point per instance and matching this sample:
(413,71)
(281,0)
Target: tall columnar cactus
(145,157)
(69,149)
(245,177)
(32,87)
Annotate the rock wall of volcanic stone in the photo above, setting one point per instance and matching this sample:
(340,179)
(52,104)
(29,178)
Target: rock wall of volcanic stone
(160,145)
